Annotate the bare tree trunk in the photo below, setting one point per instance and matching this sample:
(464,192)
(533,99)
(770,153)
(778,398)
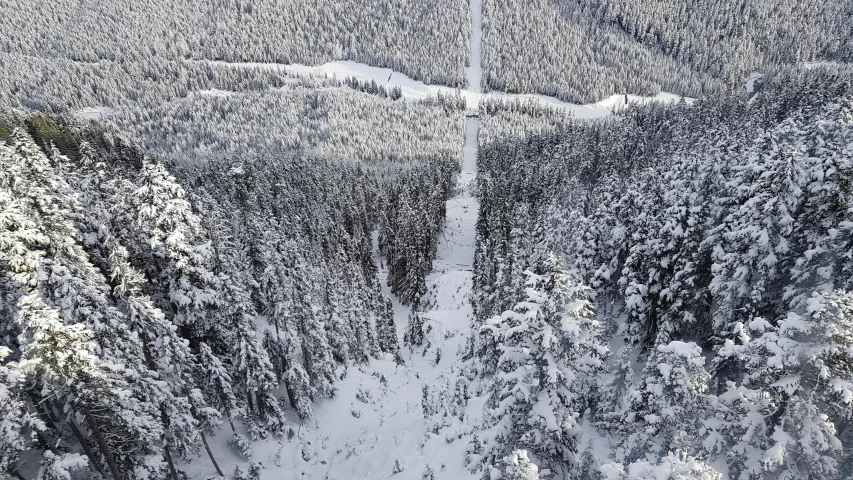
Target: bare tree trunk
(210,454)
(50,415)
(168,455)
(105,449)
(47,419)
(81,439)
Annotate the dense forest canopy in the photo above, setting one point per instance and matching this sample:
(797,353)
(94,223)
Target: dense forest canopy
(426,40)
(84,54)
(213,268)
(716,243)
(261,254)
(585,50)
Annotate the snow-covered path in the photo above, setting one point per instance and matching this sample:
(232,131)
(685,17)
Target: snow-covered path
(475,69)
(417,90)
(376,426)
(456,250)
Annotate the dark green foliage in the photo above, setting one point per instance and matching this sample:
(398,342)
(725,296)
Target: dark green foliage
(47,131)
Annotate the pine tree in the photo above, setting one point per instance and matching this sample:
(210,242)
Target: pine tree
(316,352)
(615,394)
(589,469)
(551,353)
(667,413)
(515,466)
(414,336)
(821,229)
(216,384)
(338,325)
(387,331)
(15,419)
(60,467)
(256,377)
(180,258)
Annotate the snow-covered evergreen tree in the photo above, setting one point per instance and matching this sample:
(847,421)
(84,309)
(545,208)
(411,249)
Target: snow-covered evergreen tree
(671,467)
(15,419)
(60,467)
(414,335)
(783,421)
(551,353)
(666,413)
(515,466)
(616,392)
(180,257)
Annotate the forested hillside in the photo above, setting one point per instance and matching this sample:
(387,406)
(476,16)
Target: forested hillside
(729,39)
(146,303)
(561,49)
(61,85)
(425,40)
(584,50)
(426,239)
(706,250)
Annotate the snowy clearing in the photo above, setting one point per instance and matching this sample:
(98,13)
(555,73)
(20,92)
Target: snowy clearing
(417,90)
(94,113)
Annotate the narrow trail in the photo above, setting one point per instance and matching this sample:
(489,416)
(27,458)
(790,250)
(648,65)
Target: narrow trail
(474,71)
(456,249)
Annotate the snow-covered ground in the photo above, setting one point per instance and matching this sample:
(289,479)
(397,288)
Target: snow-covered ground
(94,113)
(417,90)
(377,419)
(474,72)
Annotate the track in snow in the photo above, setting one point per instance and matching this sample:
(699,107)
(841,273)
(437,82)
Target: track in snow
(475,69)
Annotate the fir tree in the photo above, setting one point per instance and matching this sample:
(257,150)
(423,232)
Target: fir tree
(515,466)
(667,413)
(551,353)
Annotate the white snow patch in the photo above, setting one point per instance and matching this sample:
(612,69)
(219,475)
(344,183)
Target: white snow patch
(474,72)
(753,77)
(94,113)
(214,92)
(417,90)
